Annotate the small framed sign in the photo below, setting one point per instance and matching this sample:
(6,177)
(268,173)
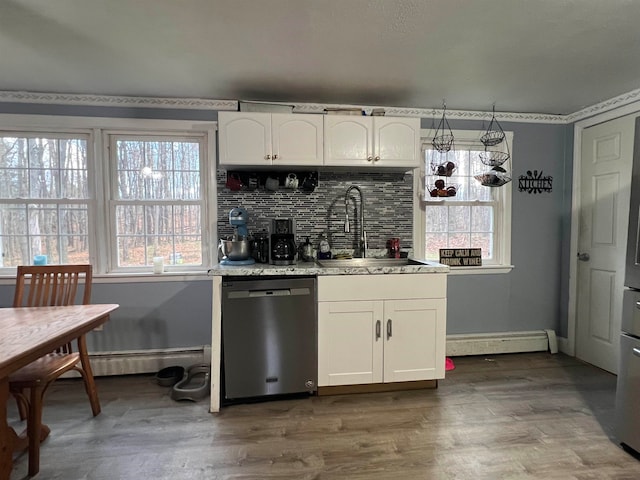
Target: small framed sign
(461,257)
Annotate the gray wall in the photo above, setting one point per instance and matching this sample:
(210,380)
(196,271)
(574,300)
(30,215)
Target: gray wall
(532,296)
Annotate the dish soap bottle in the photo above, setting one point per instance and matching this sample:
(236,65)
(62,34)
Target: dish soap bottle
(307,251)
(324,249)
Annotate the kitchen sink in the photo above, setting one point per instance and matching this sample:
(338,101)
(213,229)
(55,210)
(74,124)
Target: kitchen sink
(367,262)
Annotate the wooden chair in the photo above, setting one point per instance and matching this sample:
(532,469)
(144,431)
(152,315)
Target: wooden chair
(50,285)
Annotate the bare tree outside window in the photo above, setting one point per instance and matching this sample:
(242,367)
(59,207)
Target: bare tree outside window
(157,200)
(44,198)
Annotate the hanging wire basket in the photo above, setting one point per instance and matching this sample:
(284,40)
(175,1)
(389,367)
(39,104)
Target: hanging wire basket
(492,180)
(442,164)
(443,140)
(493,158)
(494,134)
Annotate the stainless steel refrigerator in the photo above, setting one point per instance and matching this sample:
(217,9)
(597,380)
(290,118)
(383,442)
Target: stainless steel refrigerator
(628,388)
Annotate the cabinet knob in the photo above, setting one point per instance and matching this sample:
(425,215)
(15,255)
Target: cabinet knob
(275,156)
(268,157)
(377,159)
(370,158)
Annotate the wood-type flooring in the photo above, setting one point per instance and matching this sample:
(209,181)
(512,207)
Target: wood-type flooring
(517,416)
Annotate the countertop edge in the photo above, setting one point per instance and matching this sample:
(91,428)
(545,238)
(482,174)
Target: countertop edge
(313,269)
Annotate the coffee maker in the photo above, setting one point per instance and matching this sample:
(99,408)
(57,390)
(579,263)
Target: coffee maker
(282,241)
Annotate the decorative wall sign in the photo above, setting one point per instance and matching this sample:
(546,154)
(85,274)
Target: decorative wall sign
(534,182)
(461,257)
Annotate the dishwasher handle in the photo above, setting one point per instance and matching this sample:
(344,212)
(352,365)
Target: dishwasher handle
(271,292)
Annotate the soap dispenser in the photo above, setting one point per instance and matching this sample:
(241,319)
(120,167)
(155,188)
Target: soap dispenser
(307,251)
(324,249)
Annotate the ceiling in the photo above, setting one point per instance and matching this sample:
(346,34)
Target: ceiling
(543,56)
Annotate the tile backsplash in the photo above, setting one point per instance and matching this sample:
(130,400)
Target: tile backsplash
(388,208)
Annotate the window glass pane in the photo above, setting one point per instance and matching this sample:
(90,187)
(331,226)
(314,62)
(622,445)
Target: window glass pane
(129,220)
(459,240)
(434,242)
(13,219)
(131,251)
(14,183)
(437,219)
(483,241)
(44,184)
(164,170)
(39,174)
(482,219)
(187,185)
(43,153)
(130,155)
(168,231)
(158,183)
(460,218)
(14,152)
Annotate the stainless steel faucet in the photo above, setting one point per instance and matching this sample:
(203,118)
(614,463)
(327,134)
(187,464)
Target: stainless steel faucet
(347,228)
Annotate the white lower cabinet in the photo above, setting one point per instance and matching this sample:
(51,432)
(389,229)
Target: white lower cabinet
(388,331)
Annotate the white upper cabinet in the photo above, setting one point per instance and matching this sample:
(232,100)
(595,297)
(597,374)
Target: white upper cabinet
(351,140)
(270,139)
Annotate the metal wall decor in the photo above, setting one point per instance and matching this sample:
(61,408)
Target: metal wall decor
(534,182)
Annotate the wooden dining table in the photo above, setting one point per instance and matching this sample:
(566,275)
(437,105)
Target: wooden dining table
(28,333)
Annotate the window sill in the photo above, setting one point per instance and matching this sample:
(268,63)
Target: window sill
(484,270)
(138,277)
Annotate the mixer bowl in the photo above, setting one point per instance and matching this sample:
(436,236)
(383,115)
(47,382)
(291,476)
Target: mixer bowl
(236,249)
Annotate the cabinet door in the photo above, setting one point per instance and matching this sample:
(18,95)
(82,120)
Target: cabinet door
(297,139)
(349,351)
(396,142)
(244,138)
(414,347)
(348,140)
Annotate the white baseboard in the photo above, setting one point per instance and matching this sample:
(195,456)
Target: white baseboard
(147,361)
(502,342)
(150,361)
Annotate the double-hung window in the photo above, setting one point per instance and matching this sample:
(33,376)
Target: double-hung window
(112,192)
(45,198)
(458,211)
(157,202)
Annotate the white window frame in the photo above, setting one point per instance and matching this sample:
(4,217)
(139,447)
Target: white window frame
(502,214)
(113,202)
(89,202)
(99,184)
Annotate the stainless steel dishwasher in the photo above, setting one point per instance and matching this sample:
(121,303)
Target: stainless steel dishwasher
(269,336)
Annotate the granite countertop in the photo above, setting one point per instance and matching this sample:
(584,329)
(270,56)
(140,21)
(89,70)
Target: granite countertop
(313,268)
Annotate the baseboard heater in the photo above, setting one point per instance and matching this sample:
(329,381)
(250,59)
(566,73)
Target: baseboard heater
(147,361)
(459,345)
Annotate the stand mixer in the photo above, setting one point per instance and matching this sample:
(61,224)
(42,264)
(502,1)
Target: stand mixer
(237,250)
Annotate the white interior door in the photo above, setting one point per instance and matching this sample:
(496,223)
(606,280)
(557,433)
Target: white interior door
(607,151)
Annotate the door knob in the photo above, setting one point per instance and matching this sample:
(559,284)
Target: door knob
(583,257)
